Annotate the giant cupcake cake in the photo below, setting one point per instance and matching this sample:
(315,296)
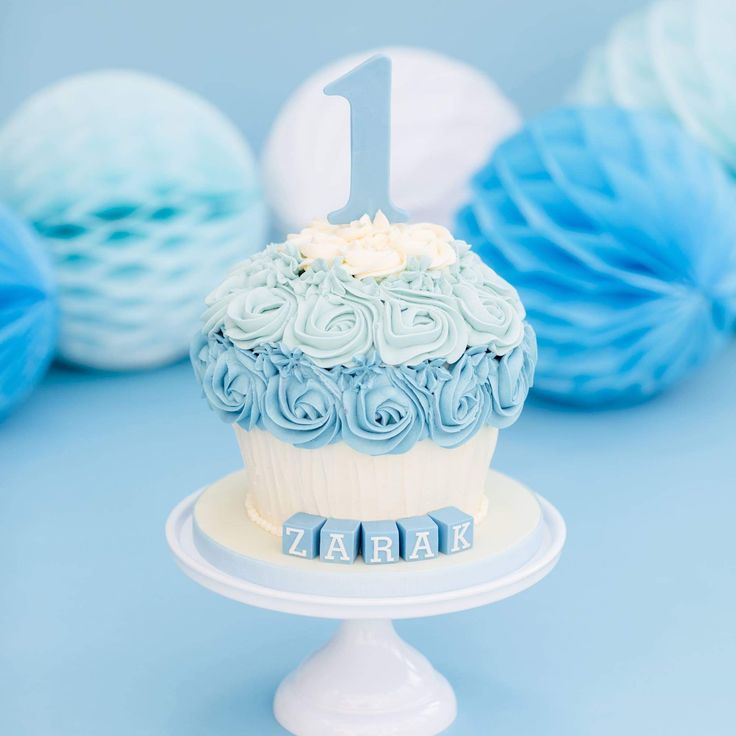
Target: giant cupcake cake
(366,369)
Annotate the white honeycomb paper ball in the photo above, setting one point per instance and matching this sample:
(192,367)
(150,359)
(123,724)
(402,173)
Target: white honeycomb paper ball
(446,118)
(144,195)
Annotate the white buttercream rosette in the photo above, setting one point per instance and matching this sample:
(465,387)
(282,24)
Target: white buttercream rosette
(374,248)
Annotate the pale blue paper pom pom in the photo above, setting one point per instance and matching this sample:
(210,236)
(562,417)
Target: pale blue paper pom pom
(677,56)
(144,195)
(619,230)
(28,312)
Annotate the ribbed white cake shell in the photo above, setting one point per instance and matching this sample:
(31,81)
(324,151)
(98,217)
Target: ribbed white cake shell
(339,482)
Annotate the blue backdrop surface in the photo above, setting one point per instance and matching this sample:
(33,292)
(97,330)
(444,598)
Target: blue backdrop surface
(99,632)
(247,55)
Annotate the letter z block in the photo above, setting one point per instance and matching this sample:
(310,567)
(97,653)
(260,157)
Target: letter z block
(455,529)
(300,535)
(380,542)
(418,538)
(339,541)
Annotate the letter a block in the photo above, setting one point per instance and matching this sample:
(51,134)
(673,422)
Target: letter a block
(455,529)
(418,538)
(300,535)
(339,541)
(380,542)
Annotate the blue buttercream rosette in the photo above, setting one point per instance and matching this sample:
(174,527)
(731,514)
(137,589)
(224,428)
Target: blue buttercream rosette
(375,408)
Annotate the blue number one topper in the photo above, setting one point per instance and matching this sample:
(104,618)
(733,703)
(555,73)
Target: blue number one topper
(367,88)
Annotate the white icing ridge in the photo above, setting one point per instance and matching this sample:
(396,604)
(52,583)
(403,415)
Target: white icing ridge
(338,482)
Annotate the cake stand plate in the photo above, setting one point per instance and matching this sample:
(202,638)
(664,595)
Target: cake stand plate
(365,681)
(224,536)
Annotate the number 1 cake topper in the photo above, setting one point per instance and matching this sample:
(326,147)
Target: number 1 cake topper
(367,88)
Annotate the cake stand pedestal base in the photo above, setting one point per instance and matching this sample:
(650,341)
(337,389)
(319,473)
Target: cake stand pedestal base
(366,681)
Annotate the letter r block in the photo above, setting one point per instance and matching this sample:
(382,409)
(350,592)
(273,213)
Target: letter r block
(339,541)
(418,538)
(300,535)
(380,542)
(455,529)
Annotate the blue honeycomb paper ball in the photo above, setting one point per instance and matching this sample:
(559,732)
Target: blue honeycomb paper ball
(619,230)
(28,312)
(676,56)
(144,195)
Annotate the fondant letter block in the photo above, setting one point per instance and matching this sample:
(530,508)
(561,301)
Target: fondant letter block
(418,538)
(455,529)
(380,542)
(300,535)
(339,541)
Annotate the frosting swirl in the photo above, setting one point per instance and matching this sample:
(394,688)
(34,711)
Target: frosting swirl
(230,380)
(333,322)
(260,315)
(417,326)
(374,248)
(462,400)
(511,380)
(300,404)
(491,319)
(381,417)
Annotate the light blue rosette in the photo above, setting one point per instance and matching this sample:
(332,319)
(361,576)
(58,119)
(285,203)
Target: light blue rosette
(461,399)
(510,380)
(302,402)
(276,266)
(423,381)
(231,381)
(618,229)
(381,416)
(260,315)
(335,317)
(419,325)
(493,320)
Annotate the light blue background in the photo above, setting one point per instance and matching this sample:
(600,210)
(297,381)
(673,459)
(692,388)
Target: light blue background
(100,634)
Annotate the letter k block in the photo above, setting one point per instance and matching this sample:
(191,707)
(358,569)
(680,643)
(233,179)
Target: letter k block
(455,529)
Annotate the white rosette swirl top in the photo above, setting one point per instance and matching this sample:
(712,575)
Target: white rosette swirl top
(367,369)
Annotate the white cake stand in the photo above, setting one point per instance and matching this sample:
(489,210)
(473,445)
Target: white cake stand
(365,681)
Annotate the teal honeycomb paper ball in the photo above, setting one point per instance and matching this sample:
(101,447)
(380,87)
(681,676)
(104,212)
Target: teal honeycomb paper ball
(619,231)
(28,312)
(676,56)
(144,195)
